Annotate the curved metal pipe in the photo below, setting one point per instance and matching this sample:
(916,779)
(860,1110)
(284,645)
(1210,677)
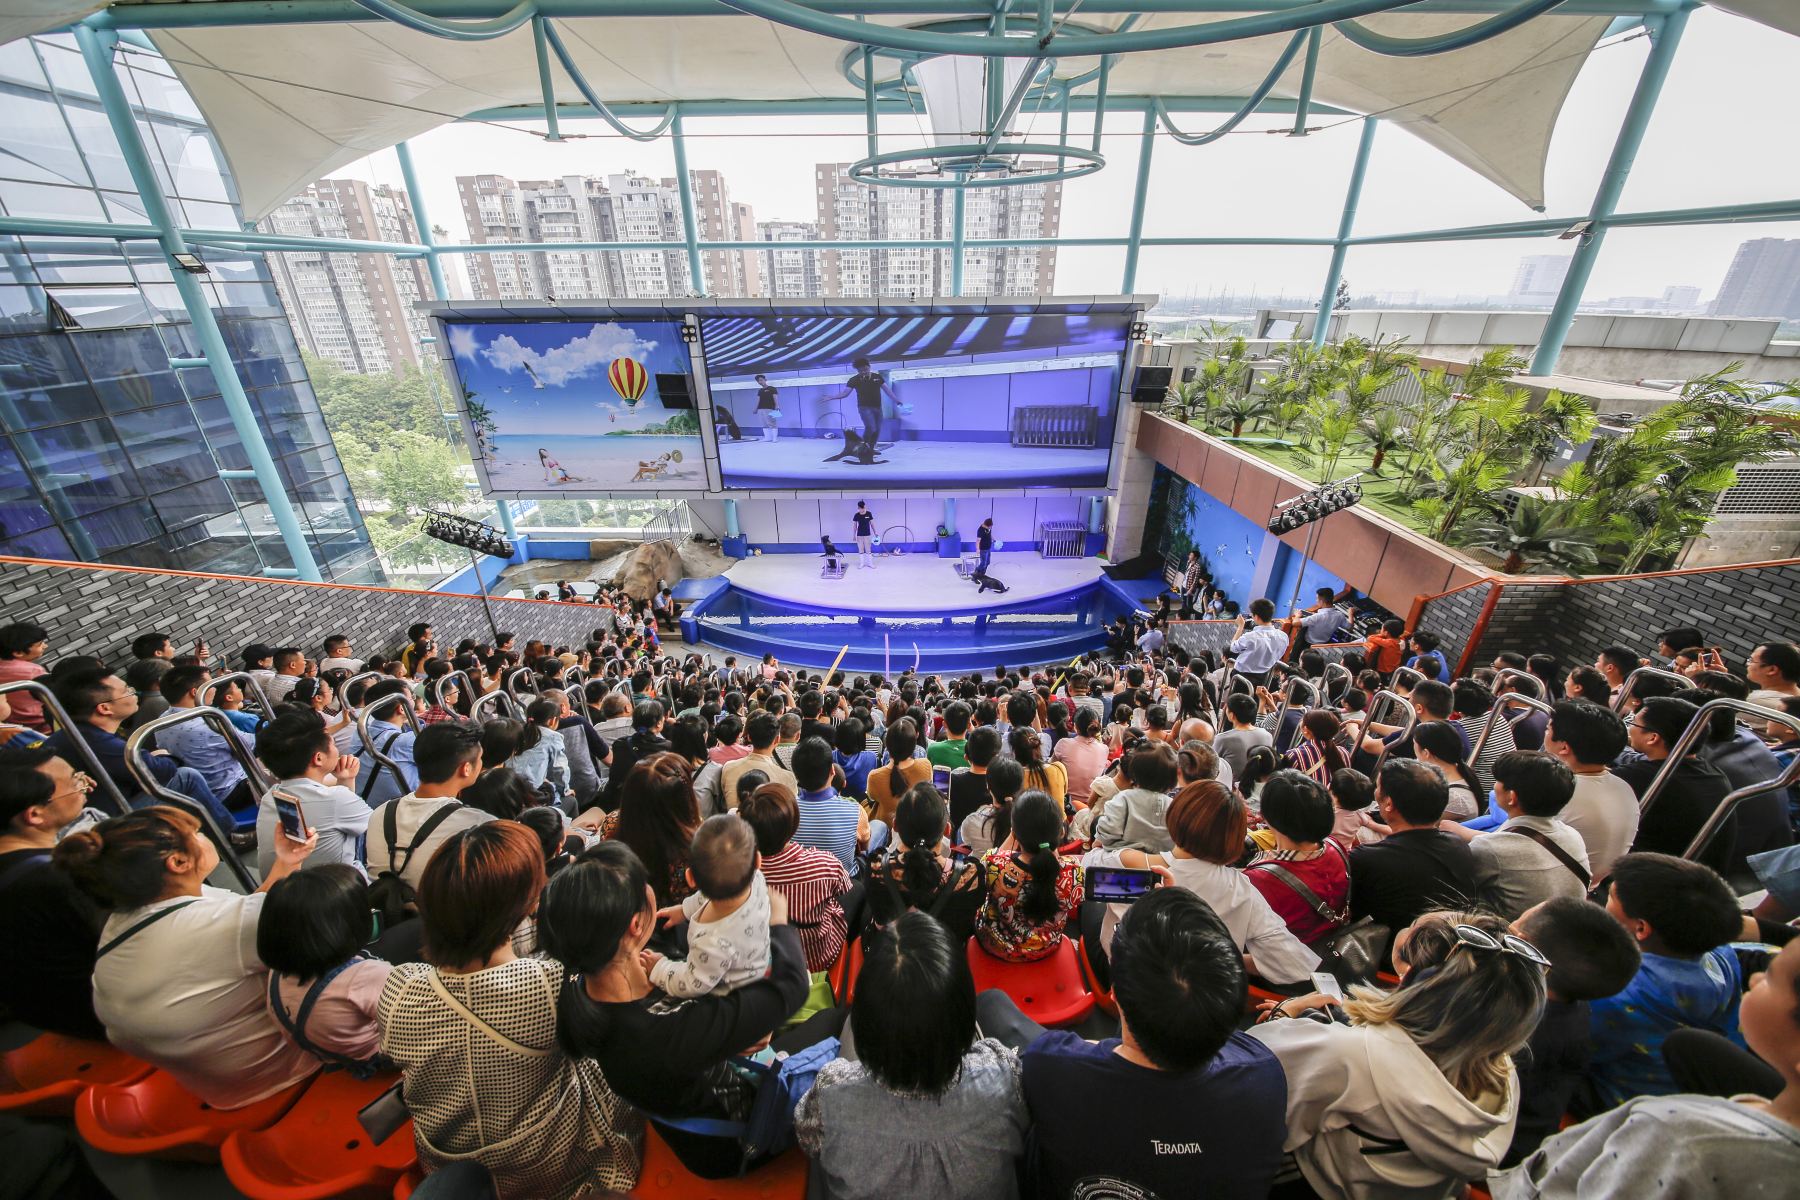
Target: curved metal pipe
(1362,36)
(1066,46)
(102,781)
(1697,728)
(496,699)
(375,707)
(593,98)
(1417,677)
(510,679)
(1630,684)
(1251,102)
(1287,702)
(251,682)
(1407,711)
(1506,674)
(457,31)
(1494,714)
(575,670)
(220,724)
(438,685)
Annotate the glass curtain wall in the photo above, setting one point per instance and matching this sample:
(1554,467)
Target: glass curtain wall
(110,455)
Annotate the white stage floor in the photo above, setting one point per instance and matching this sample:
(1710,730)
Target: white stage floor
(797,460)
(911,583)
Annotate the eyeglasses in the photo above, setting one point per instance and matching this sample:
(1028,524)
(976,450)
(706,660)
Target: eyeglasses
(81,783)
(1480,939)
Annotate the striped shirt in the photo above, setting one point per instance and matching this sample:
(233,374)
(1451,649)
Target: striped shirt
(1499,742)
(828,822)
(813,882)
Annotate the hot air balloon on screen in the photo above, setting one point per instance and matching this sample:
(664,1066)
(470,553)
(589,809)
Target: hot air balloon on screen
(629,379)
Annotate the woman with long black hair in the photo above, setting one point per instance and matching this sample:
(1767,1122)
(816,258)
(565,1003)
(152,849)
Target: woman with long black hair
(917,872)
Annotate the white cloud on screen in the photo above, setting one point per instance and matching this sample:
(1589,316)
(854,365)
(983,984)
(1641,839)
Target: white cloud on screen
(591,353)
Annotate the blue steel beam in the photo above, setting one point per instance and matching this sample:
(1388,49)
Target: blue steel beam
(1303,104)
(958,240)
(289,12)
(689,229)
(858,106)
(1665,37)
(97,53)
(1346,222)
(1139,196)
(415,198)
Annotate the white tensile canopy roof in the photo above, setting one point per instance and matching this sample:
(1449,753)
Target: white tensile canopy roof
(292,103)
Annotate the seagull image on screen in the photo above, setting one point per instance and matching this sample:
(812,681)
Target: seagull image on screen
(984,543)
(768,408)
(865,533)
(868,386)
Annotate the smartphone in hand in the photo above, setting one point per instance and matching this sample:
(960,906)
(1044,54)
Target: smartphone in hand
(293,820)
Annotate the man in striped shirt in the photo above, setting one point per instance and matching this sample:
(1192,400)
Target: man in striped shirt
(813,881)
(828,821)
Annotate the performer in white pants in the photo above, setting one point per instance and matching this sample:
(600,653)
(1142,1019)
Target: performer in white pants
(768,408)
(865,533)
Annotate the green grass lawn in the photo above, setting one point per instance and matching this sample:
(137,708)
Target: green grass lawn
(1378,493)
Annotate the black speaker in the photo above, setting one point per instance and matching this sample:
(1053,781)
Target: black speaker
(674,390)
(1152,384)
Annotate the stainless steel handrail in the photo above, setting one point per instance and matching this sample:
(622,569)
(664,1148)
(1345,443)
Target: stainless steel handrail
(1516,699)
(495,699)
(467,686)
(510,680)
(255,685)
(1333,669)
(102,781)
(572,669)
(1287,702)
(1406,728)
(362,679)
(1630,684)
(374,708)
(1507,674)
(219,723)
(1697,728)
(1416,676)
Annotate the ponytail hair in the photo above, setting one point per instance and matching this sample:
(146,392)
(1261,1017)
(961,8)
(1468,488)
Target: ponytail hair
(1325,725)
(1038,827)
(1087,721)
(1441,738)
(120,863)
(919,821)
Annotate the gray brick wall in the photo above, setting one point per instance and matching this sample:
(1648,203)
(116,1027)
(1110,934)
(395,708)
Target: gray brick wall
(1453,618)
(1735,607)
(98,610)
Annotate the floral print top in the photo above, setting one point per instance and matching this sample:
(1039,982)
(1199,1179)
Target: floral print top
(1006,932)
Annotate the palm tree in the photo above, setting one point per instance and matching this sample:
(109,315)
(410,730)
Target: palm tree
(1248,406)
(1184,398)
(1384,431)
(1538,532)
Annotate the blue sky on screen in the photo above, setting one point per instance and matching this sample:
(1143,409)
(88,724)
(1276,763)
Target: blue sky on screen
(553,377)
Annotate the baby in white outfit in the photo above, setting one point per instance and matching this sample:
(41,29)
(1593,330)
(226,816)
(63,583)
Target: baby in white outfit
(728,918)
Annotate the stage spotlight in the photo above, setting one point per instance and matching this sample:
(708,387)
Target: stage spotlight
(190,262)
(1139,331)
(690,333)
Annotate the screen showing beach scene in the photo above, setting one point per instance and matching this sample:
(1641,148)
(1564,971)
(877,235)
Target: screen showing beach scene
(919,401)
(567,407)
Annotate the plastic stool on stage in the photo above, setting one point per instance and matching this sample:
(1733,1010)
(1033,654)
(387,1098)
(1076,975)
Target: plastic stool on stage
(1052,991)
(45,1076)
(664,1178)
(158,1117)
(319,1150)
(833,568)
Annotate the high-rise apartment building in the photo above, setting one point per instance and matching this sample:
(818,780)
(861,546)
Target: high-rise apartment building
(850,211)
(790,274)
(1764,281)
(355,309)
(624,207)
(1539,278)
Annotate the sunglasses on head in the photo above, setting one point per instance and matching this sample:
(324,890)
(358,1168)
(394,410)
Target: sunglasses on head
(1477,938)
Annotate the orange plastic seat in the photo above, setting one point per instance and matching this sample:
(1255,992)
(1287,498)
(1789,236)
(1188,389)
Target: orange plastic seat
(404,1186)
(845,970)
(156,1116)
(664,1178)
(43,1077)
(1102,996)
(319,1150)
(1052,991)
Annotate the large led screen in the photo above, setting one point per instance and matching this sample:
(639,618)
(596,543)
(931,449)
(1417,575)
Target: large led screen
(571,407)
(915,401)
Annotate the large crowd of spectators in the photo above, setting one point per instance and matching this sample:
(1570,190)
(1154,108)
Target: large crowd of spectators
(569,891)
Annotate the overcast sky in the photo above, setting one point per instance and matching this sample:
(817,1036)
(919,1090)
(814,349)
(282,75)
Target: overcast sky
(1723,134)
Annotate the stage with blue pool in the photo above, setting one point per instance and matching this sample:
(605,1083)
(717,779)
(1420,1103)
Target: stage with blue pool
(909,609)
